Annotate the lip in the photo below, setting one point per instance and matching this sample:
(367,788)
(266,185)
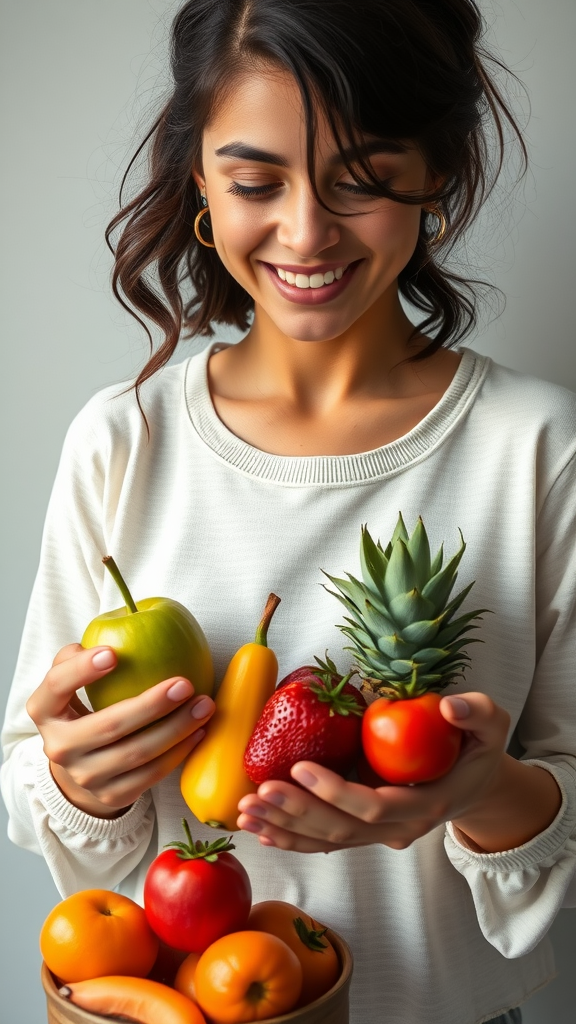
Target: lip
(311,296)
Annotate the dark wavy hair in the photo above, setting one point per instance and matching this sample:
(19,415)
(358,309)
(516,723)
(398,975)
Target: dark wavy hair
(395,69)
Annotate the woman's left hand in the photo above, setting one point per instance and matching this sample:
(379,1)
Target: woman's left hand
(329,813)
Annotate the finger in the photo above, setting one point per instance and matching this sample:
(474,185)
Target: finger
(70,672)
(125,788)
(154,708)
(269,835)
(381,806)
(65,653)
(477,713)
(296,811)
(351,797)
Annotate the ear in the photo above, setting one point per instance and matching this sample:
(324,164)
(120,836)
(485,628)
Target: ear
(433,181)
(199,179)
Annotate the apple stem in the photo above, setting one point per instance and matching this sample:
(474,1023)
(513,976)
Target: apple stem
(120,582)
(262,631)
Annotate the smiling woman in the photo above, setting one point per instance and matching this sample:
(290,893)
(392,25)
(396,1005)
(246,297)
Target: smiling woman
(312,168)
(423,112)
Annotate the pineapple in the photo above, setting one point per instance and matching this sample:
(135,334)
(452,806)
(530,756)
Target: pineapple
(404,636)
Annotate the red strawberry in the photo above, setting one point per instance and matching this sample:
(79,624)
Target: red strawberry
(315,714)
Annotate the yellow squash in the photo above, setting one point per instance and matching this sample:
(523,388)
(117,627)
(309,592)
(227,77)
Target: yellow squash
(213,778)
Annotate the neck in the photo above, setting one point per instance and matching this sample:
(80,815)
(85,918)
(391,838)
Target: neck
(367,358)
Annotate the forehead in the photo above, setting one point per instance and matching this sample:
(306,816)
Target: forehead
(254,98)
(264,108)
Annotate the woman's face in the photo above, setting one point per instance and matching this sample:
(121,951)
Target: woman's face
(312,271)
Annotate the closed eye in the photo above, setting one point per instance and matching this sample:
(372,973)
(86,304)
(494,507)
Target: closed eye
(360,190)
(249,191)
(252,190)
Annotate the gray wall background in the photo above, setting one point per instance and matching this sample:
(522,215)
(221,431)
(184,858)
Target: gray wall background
(79,81)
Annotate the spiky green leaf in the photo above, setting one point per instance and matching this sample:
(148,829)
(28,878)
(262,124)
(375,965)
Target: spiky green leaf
(422,632)
(439,588)
(419,551)
(410,607)
(400,532)
(455,603)
(400,574)
(429,656)
(373,563)
(437,561)
(395,647)
(346,588)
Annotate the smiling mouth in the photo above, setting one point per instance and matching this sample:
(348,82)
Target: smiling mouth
(326,282)
(315,280)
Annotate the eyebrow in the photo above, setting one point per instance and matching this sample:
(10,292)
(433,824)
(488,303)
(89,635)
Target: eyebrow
(243,151)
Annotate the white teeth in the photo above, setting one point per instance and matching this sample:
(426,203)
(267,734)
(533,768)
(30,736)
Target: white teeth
(314,281)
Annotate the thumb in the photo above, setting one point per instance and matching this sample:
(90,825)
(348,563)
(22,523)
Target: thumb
(477,713)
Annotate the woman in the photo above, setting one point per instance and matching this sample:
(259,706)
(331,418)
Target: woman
(348,152)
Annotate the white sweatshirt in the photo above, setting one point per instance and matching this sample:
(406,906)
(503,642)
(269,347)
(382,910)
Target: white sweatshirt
(440,934)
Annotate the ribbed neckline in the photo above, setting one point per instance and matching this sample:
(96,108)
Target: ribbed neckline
(364,467)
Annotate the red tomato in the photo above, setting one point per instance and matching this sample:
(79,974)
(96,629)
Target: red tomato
(195,893)
(409,740)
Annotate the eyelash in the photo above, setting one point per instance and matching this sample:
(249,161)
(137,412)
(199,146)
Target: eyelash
(247,191)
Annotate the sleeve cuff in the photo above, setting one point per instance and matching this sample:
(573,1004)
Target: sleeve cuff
(537,850)
(72,819)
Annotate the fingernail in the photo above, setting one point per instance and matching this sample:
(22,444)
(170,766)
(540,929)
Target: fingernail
(202,708)
(179,690)
(305,777)
(460,707)
(103,659)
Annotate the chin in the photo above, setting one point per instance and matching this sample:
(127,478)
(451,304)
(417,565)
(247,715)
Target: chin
(313,328)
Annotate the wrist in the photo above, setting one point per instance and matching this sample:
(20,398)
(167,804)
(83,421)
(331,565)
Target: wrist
(79,797)
(520,802)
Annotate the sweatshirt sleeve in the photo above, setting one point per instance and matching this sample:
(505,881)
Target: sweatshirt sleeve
(81,851)
(518,893)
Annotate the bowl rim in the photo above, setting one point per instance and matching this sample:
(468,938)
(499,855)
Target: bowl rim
(341,946)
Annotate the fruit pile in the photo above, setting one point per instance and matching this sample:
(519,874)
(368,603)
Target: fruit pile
(408,646)
(197,951)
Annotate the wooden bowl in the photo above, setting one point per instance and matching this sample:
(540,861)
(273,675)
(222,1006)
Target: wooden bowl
(331,1008)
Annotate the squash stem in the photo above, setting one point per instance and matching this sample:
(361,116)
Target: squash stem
(262,631)
(120,582)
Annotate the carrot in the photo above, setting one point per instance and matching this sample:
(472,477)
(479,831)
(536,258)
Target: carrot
(137,999)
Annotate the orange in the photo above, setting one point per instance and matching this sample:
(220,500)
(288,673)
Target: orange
(184,981)
(247,976)
(320,965)
(96,932)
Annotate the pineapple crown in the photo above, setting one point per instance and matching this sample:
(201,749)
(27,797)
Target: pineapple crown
(402,628)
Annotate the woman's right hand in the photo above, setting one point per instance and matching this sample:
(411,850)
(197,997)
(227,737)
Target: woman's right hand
(102,761)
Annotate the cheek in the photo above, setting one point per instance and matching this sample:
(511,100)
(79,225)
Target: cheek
(238,231)
(395,234)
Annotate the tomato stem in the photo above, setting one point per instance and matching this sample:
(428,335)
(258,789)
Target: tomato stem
(198,850)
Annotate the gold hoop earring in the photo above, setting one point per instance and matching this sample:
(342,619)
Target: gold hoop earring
(442,225)
(209,245)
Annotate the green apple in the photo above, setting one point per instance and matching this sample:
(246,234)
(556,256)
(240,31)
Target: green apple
(154,639)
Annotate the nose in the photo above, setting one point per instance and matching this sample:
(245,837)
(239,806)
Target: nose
(305,226)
